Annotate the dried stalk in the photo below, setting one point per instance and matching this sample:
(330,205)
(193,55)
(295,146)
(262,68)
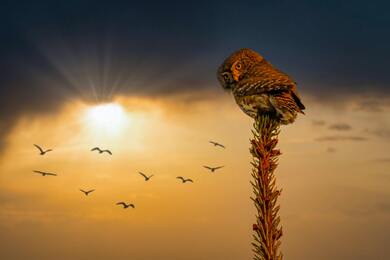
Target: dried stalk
(265,160)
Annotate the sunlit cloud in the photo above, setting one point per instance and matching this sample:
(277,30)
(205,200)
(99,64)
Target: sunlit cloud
(341,138)
(340,127)
(169,137)
(318,122)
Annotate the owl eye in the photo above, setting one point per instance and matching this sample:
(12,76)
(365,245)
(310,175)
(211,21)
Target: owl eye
(226,76)
(238,65)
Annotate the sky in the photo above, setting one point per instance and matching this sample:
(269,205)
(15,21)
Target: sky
(155,65)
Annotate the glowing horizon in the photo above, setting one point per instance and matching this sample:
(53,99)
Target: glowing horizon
(168,139)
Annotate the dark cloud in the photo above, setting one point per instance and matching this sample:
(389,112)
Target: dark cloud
(340,127)
(52,52)
(373,106)
(341,138)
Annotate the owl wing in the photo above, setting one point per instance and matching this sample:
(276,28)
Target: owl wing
(298,100)
(288,98)
(283,89)
(285,103)
(257,86)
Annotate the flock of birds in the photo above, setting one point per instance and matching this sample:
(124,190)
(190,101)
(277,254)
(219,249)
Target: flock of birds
(125,205)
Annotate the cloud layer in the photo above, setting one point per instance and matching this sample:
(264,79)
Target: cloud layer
(52,53)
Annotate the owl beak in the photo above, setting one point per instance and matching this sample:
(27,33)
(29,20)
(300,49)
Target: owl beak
(235,77)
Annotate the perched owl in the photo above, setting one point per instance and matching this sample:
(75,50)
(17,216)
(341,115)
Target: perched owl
(259,87)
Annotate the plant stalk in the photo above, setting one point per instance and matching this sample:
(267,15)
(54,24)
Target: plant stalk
(265,160)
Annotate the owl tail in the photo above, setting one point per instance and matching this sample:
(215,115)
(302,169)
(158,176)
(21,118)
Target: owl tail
(298,102)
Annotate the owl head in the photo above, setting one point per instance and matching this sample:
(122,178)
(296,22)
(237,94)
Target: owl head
(237,66)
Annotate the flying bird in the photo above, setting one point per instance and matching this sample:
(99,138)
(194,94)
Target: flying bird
(212,169)
(45,173)
(101,151)
(125,206)
(146,177)
(183,179)
(41,150)
(86,192)
(217,144)
(258,87)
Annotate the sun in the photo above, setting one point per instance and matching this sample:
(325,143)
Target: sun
(109,117)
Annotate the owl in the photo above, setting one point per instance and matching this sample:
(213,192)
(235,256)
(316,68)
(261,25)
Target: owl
(258,87)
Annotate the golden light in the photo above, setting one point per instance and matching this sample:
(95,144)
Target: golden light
(108,117)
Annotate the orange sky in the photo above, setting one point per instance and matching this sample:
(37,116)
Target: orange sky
(335,202)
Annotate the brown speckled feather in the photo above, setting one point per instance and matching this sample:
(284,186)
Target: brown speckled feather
(259,87)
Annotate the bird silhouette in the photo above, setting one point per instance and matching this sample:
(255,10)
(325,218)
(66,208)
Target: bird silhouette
(183,179)
(217,144)
(41,150)
(125,206)
(86,192)
(146,177)
(212,169)
(45,173)
(101,151)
